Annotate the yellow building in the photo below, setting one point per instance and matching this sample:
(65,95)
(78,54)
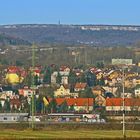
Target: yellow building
(99,75)
(138,81)
(131,74)
(62,91)
(114,74)
(139,64)
(12,78)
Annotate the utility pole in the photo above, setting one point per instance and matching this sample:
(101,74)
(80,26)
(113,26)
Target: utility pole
(85,51)
(124,135)
(32,87)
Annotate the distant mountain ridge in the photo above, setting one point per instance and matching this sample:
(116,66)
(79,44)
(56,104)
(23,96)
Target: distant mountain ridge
(94,35)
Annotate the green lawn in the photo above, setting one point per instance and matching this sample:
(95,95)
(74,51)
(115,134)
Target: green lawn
(44,134)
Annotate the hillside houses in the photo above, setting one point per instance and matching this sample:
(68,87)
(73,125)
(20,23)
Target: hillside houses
(81,89)
(64,91)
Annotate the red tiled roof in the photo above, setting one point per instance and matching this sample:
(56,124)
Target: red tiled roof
(107,78)
(80,85)
(66,86)
(15,102)
(93,69)
(62,68)
(23,73)
(84,101)
(37,71)
(119,102)
(75,101)
(98,88)
(13,69)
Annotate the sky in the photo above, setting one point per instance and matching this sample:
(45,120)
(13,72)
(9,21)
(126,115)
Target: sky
(111,12)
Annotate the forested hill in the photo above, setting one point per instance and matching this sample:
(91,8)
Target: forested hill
(11,40)
(96,35)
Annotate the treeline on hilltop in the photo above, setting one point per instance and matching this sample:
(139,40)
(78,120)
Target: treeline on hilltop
(67,55)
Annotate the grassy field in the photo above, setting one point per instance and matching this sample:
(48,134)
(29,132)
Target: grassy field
(61,134)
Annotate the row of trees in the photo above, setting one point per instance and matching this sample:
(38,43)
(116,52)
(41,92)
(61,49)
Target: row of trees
(76,56)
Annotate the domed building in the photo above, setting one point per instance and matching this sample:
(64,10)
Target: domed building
(13,75)
(12,78)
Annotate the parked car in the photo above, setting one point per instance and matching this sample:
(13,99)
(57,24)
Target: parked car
(96,120)
(35,118)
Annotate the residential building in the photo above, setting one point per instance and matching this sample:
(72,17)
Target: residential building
(80,87)
(111,89)
(64,80)
(100,101)
(116,104)
(137,92)
(98,90)
(79,104)
(53,77)
(64,71)
(26,92)
(64,91)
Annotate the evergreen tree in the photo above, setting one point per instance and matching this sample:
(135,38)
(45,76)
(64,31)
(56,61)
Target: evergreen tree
(71,109)
(7,105)
(100,65)
(88,92)
(47,76)
(91,79)
(101,81)
(19,63)
(64,107)
(58,78)
(72,77)
(52,107)
(0,107)
(72,80)
(36,80)
(82,78)
(82,94)
(28,79)
(38,105)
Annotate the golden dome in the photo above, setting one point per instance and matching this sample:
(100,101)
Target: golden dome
(12,78)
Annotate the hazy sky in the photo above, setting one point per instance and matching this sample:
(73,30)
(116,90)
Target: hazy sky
(70,11)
